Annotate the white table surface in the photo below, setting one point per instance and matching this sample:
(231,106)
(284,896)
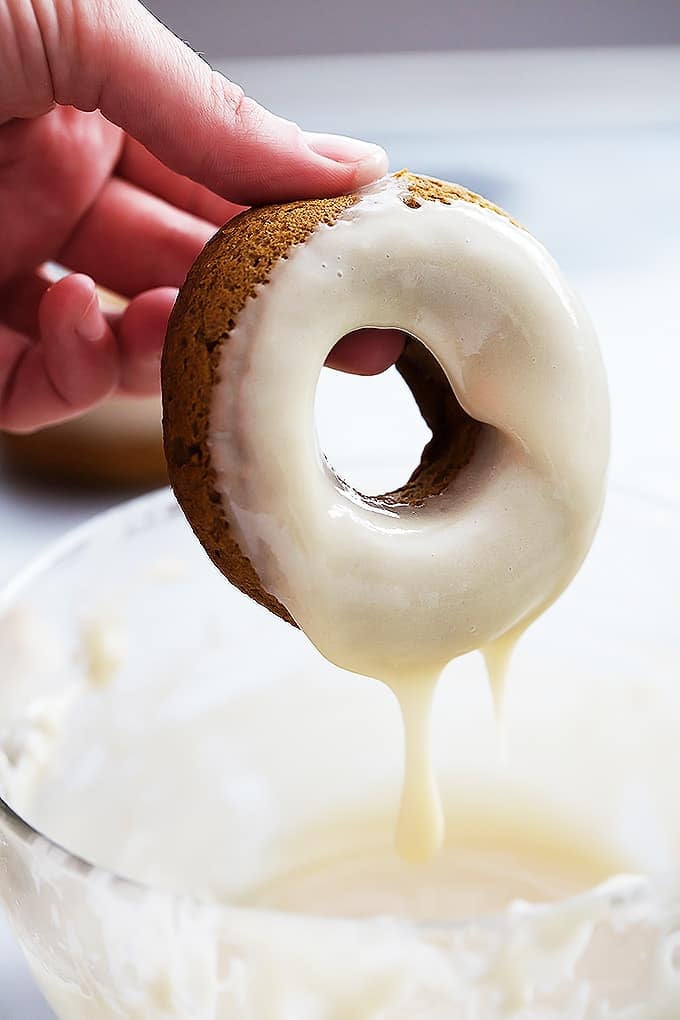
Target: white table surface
(584,148)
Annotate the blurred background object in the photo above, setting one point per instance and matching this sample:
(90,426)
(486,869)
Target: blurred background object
(115,446)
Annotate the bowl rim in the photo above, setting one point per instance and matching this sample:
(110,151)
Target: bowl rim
(137,514)
(137,510)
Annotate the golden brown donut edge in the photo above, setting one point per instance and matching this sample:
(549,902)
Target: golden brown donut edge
(222,279)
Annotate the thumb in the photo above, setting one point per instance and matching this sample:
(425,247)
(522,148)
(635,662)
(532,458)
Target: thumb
(116,57)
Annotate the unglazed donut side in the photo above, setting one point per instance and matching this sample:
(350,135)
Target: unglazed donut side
(226,274)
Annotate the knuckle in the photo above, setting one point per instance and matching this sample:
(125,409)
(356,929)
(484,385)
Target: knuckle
(76,54)
(244,113)
(26,87)
(231,110)
(227,92)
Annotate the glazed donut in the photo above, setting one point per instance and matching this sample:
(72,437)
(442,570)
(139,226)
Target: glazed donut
(503,363)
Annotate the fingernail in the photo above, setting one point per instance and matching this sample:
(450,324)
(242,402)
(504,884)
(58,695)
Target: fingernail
(91,326)
(342,149)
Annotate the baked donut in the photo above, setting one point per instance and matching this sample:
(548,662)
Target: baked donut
(503,363)
(116,445)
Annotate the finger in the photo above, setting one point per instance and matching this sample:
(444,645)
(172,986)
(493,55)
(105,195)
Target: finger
(193,119)
(141,333)
(141,167)
(130,241)
(51,170)
(72,367)
(367,351)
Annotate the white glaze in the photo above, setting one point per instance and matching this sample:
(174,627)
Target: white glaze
(396,594)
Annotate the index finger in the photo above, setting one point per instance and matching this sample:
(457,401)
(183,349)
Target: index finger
(139,166)
(192,118)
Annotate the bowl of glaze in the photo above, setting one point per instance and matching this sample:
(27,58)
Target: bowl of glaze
(198,812)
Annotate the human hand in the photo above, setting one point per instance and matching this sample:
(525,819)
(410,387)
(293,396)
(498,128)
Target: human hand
(121,152)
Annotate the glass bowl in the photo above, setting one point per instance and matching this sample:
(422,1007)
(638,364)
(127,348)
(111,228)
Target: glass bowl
(166,746)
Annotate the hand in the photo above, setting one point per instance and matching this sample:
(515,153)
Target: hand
(121,152)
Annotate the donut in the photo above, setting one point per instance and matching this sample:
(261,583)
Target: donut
(503,363)
(115,446)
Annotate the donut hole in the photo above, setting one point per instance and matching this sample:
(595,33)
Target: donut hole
(398,437)
(369,429)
